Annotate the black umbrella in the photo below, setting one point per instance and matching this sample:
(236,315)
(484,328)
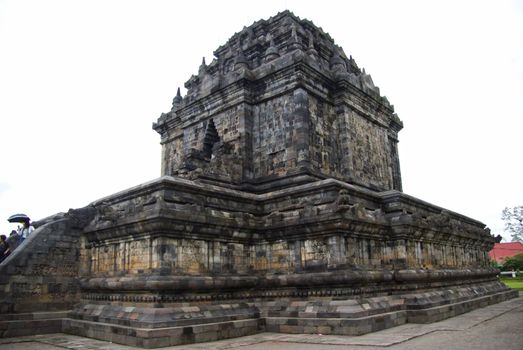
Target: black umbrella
(18,218)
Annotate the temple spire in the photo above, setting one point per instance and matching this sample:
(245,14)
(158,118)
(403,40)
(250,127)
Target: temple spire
(295,43)
(203,66)
(241,60)
(311,50)
(177,100)
(272,52)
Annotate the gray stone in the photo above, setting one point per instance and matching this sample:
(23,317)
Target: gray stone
(279,208)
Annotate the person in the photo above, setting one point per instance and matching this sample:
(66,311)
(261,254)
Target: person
(12,243)
(25,230)
(3,247)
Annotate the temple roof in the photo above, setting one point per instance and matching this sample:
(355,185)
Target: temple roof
(281,34)
(272,45)
(272,40)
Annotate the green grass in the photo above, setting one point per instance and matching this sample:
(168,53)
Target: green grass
(516,283)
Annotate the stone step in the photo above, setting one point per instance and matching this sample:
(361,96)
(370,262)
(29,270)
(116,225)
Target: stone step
(161,337)
(438,313)
(40,324)
(338,326)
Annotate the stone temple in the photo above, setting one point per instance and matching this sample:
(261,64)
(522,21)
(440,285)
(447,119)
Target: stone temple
(280,209)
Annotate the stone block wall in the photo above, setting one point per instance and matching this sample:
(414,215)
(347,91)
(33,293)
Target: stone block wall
(183,228)
(285,212)
(371,161)
(293,109)
(326,138)
(42,273)
(280,130)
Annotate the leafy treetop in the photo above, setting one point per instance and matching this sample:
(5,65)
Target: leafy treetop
(513,218)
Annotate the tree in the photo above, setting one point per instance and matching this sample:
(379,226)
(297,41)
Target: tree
(513,218)
(514,263)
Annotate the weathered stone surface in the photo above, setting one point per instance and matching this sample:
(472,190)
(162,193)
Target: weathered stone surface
(281,99)
(314,227)
(279,209)
(42,273)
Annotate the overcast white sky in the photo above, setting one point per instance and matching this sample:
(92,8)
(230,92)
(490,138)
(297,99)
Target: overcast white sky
(81,83)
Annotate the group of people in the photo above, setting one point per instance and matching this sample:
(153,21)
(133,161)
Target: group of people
(9,244)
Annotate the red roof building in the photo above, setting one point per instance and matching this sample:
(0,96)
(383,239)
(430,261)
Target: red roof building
(501,251)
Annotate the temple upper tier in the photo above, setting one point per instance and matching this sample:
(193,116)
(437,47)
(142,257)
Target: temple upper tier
(281,99)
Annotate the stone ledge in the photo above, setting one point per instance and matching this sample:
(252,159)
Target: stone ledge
(317,316)
(440,297)
(438,313)
(161,337)
(336,277)
(339,326)
(34,316)
(16,328)
(155,318)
